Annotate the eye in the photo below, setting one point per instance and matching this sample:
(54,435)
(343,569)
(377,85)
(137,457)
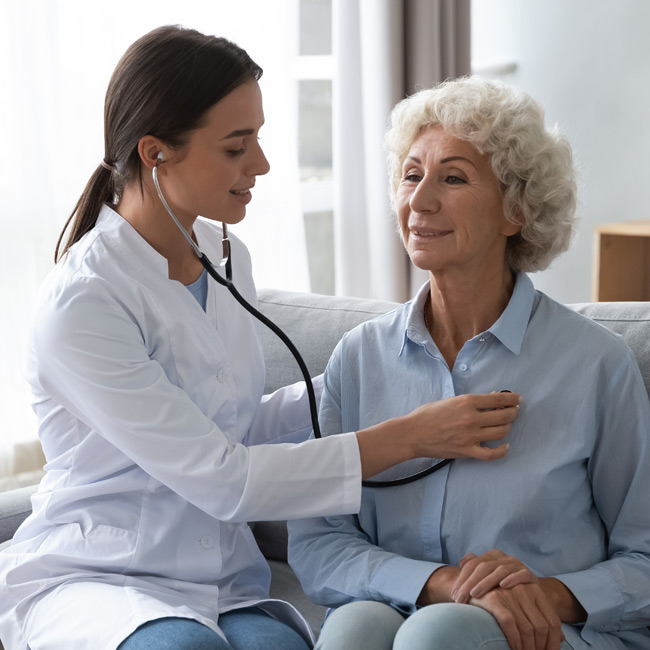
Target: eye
(454,180)
(412,177)
(235,153)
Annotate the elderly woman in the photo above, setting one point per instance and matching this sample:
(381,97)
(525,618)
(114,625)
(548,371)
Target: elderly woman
(548,547)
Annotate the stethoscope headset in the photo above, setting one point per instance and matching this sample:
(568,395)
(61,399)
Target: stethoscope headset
(227,282)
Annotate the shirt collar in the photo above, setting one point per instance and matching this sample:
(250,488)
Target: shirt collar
(510,328)
(416,329)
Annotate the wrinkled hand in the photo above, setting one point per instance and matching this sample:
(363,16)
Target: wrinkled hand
(456,427)
(480,574)
(525,616)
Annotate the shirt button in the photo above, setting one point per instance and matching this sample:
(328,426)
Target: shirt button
(462,367)
(222,375)
(207,542)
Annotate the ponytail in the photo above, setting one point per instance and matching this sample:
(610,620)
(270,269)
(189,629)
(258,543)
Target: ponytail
(99,189)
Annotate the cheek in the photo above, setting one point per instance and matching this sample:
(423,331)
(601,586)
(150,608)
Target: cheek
(402,211)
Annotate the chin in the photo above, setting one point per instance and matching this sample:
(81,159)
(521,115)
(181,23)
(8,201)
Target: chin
(425,261)
(231,218)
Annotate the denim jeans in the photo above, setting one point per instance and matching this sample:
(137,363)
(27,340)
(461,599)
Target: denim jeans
(245,629)
(367,625)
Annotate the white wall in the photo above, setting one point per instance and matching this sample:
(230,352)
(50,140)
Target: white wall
(588,63)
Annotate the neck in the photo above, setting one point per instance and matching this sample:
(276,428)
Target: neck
(145,212)
(460,309)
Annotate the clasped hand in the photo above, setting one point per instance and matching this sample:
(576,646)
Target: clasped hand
(503,586)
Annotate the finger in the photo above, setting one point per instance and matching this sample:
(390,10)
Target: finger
(475,568)
(521,577)
(492,580)
(467,582)
(487,453)
(467,558)
(495,417)
(555,633)
(507,621)
(496,400)
(537,630)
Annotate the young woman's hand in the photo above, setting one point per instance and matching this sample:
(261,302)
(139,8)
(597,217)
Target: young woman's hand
(456,427)
(450,428)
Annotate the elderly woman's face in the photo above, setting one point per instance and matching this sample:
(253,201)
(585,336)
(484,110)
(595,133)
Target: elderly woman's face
(449,206)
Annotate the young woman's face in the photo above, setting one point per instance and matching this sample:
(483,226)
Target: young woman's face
(449,206)
(213,174)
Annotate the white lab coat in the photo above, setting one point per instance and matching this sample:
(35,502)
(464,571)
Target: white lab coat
(143,403)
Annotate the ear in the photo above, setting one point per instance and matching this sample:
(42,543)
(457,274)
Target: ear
(148,149)
(508,229)
(511,226)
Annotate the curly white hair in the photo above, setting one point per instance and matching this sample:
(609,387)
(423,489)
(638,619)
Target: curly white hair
(533,164)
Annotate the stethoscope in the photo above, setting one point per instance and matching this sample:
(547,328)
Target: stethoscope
(226,261)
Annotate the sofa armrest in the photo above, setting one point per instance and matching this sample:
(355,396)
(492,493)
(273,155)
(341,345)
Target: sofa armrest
(15,507)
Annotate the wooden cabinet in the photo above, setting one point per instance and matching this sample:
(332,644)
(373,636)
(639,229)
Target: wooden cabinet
(621,269)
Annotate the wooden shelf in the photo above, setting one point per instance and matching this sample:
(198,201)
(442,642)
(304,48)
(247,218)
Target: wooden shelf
(621,269)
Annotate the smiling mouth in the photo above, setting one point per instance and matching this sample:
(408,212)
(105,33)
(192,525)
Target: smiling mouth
(241,192)
(428,234)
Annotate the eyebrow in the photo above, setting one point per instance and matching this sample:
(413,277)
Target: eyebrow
(239,133)
(444,160)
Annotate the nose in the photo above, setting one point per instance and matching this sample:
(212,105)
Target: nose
(425,198)
(259,164)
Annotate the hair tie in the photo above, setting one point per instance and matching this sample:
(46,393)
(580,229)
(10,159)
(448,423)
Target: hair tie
(105,165)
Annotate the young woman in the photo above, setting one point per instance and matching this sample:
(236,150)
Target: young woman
(149,395)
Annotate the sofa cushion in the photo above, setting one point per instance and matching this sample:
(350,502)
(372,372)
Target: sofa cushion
(285,586)
(15,506)
(316,324)
(631,320)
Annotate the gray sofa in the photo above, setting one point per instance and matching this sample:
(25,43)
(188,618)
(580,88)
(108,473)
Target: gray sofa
(315,323)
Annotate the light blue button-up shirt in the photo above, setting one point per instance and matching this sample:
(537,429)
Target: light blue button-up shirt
(571,499)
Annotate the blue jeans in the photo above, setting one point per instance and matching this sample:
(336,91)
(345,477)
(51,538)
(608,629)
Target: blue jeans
(367,625)
(245,629)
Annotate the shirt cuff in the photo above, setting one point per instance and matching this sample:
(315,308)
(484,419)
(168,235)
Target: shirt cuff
(600,596)
(400,580)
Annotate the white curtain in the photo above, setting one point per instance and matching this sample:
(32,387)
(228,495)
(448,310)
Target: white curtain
(384,50)
(56,57)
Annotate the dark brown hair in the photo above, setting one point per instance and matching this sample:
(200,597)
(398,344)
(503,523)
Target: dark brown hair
(163,86)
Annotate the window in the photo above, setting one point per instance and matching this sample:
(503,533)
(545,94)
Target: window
(56,60)
(314,74)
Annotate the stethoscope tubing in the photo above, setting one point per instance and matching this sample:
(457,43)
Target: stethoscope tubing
(228,283)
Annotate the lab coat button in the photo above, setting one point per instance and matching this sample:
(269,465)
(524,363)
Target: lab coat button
(207,542)
(222,376)
(463,367)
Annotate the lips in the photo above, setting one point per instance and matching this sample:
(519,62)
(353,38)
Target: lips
(428,233)
(243,195)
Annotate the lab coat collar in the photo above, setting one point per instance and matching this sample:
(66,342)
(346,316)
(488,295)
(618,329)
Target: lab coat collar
(125,238)
(128,240)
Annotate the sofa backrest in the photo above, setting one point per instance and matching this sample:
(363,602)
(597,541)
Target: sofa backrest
(316,323)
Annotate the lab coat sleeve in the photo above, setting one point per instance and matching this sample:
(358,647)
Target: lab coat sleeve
(288,409)
(335,559)
(615,592)
(92,358)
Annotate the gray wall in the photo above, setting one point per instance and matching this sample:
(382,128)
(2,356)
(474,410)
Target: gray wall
(588,63)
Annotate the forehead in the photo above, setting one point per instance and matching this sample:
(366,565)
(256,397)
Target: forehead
(434,143)
(239,110)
